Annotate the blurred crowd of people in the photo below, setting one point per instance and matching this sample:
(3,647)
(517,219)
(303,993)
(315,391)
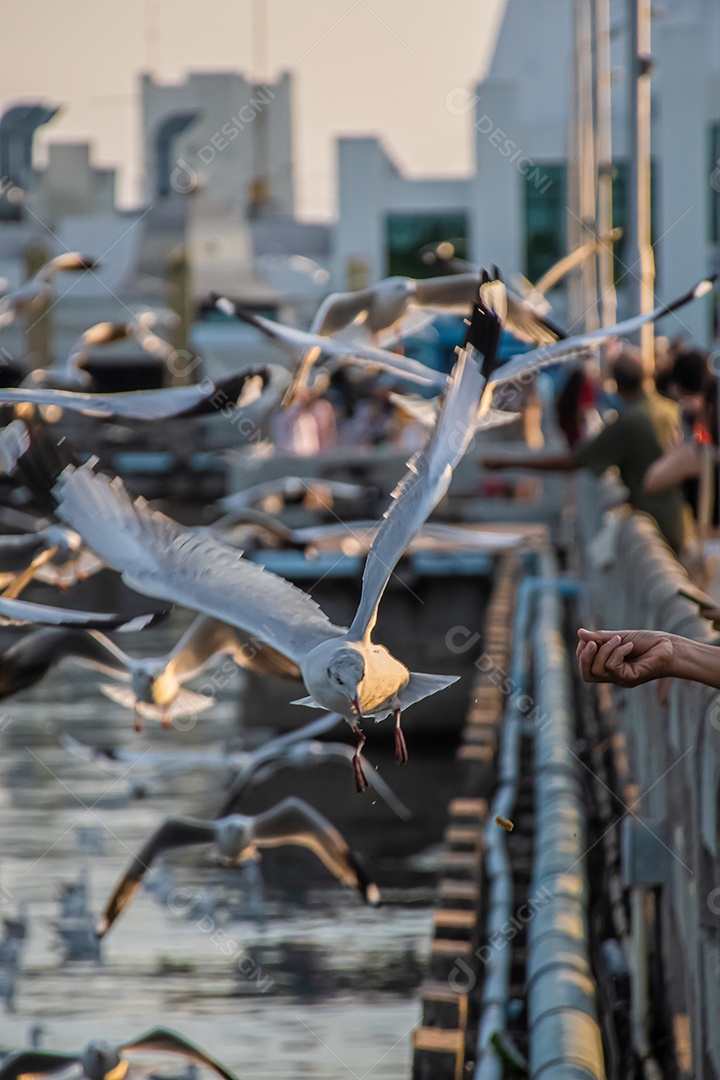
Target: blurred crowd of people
(660,435)
(344,411)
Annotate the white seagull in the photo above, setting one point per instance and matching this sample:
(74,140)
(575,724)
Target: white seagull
(101,1060)
(246,396)
(343,669)
(264,762)
(152,686)
(239,837)
(522,368)
(25,300)
(360,316)
(69,374)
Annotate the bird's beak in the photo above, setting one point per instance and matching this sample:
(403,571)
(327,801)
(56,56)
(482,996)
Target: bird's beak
(74,261)
(356,705)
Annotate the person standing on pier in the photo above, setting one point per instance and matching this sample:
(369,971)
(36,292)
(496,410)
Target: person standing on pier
(646,427)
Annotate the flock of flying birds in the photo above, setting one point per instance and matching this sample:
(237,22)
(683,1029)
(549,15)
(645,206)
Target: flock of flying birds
(260,620)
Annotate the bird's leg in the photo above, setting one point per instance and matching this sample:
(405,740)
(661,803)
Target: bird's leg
(28,574)
(361,780)
(137,720)
(166,718)
(401,754)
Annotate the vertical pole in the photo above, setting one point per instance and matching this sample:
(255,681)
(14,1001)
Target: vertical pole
(641,261)
(603,77)
(38,328)
(585,228)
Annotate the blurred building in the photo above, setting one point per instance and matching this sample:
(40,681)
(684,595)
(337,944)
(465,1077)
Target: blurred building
(217,213)
(516,209)
(525,105)
(385,219)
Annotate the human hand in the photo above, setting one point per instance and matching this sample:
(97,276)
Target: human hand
(624,657)
(712,614)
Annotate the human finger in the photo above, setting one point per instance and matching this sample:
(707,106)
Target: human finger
(585,659)
(599,665)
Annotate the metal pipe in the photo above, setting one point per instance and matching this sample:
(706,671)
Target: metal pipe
(562,1015)
(496,988)
(604,157)
(641,261)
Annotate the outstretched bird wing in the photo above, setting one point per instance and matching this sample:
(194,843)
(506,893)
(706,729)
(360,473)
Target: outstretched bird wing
(295,822)
(166,1041)
(208,637)
(173,833)
(528,363)
(174,401)
(429,474)
(299,341)
(32,1063)
(318,753)
(461,289)
(340,308)
(160,558)
(23,612)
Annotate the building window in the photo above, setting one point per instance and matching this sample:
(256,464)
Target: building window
(714,173)
(624,263)
(546,213)
(407,235)
(545,218)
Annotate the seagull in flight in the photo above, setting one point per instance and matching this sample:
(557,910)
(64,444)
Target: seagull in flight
(101,1060)
(69,374)
(522,368)
(342,668)
(27,299)
(152,686)
(350,324)
(253,390)
(25,613)
(295,750)
(269,759)
(238,838)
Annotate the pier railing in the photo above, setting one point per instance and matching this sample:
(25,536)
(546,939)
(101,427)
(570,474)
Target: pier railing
(667,744)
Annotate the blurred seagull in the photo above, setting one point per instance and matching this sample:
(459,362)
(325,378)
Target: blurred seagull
(252,392)
(343,669)
(301,344)
(101,1060)
(23,613)
(443,254)
(250,766)
(289,489)
(267,760)
(155,685)
(69,374)
(362,315)
(237,838)
(126,764)
(28,298)
(384,304)
(522,368)
(53,554)
(352,537)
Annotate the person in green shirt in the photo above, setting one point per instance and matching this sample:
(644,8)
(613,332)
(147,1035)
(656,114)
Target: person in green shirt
(647,426)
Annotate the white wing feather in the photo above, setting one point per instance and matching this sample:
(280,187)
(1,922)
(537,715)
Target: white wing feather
(157,557)
(428,478)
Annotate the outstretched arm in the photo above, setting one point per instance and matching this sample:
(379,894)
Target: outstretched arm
(543,462)
(633,657)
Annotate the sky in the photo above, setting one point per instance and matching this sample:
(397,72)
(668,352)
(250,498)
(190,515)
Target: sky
(379,67)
